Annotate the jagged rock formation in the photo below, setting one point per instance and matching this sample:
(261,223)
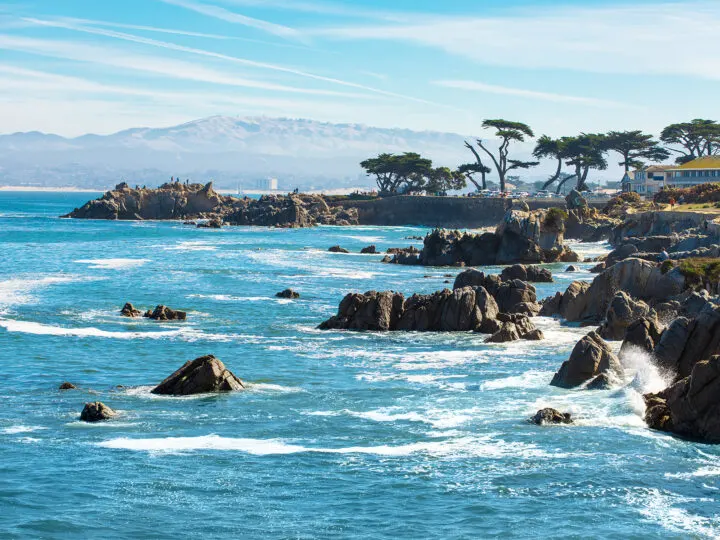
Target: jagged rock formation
(338,249)
(67,386)
(288,293)
(643,333)
(638,278)
(164,313)
(513,327)
(128,310)
(533,274)
(174,200)
(591,358)
(621,313)
(691,406)
(521,237)
(551,416)
(369,250)
(96,412)
(199,376)
(585,223)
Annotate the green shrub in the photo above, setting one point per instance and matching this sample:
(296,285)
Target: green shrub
(555,218)
(702,193)
(700,270)
(666,266)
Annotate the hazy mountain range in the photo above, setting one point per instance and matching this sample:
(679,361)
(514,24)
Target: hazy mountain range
(230,150)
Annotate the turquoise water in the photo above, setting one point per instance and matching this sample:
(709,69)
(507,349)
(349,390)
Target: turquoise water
(339,434)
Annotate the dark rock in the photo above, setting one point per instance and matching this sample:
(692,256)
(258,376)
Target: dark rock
(601,382)
(128,310)
(590,357)
(621,313)
(507,332)
(202,375)
(67,386)
(512,293)
(338,249)
(96,411)
(569,305)
(526,308)
(572,268)
(620,254)
(534,274)
(644,333)
(164,313)
(533,335)
(371,250)
(691,406)
(214,223)
(288,293)
(378,311)
(551,416)
(599,267)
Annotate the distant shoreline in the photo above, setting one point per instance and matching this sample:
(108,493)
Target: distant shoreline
(50,189)
(341,191)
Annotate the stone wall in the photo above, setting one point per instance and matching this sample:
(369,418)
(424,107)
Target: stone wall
(446,212)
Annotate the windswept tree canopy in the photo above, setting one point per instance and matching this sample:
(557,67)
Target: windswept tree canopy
(411,173)
(507,131)
(692,139)
(547,147)
(635,147)
(584,152)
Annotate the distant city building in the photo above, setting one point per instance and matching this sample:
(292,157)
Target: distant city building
(648,180)
(267,184)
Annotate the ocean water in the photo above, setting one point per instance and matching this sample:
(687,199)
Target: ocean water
(350,435)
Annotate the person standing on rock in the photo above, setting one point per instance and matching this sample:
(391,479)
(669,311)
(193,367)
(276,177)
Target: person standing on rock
(672,203)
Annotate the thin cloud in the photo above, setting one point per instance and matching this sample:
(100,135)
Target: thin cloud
(153,65)
(236,18)
(531,94)
(144,28)
(627,40)
(322,8)
(234,59)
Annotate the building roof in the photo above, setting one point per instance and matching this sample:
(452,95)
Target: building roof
(658,168)
(705,162)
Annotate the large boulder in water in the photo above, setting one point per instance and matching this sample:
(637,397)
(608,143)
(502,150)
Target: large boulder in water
(549,415)
(590,357)
(569,304)
(513,327)
(443,311)
(512,293)
(96,411)
(288,293)
(128,310)
(378,311)
(621,313)
(199,376)
(691,406)
(532,273)
(164,313)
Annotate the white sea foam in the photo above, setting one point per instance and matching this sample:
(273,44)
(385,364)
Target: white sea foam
(529,379)
(19,290)
(12,430)
(113,264)
(272,388)
(192,245)
(481,447)
(29,327)
(660,507)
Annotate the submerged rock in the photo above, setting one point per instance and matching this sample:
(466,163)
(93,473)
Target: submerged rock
(164,313)
(199,376)
(67,386)
(214,223)
(572,268)
(371,250)
(96,412)
(128,310)
(590,358)
(691,406)
(338,249)
(288,293)
(549,415)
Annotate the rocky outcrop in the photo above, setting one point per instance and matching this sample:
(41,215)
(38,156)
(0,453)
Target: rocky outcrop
(202,375)
(585,223)
(513,327)
(443,311)
(691,406)
(551,416)
(338,249)
(288,293)
(638,278)
(96,412)
(214,223)
(572,268)
(521,237)
(67,386)
(513,296)
(369,250)
(590,358)
(164,313)
(175,200)
(533,274)
(643,333)
(128,310)
(689,341)
(621,313)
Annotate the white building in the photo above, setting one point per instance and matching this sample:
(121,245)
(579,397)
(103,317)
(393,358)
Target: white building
(267,184)
(650,180)
(698,171)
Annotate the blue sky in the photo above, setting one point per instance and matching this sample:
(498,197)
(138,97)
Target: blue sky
(76,66)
